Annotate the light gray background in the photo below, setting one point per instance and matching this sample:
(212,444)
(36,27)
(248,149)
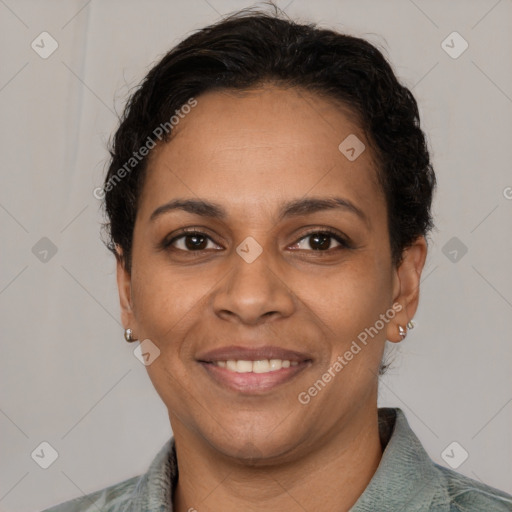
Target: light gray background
(68,377)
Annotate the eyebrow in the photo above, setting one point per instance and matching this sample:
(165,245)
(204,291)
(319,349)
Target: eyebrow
(295,208)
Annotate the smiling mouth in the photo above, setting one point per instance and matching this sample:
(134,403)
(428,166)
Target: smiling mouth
(255,370)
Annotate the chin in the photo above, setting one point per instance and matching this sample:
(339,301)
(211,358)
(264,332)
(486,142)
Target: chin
(256,444)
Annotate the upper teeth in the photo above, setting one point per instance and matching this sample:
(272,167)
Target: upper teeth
(261,366)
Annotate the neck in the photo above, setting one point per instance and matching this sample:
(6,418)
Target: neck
(331,476)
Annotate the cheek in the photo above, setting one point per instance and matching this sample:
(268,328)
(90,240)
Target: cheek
(166,309)
(355,293)
(163,301)
(359,294)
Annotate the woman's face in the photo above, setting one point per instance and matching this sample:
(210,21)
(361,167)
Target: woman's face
(261,281)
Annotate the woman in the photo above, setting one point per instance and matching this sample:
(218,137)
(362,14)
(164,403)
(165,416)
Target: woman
(268,201)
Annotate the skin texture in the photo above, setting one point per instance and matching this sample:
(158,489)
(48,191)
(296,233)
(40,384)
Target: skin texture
(250,153)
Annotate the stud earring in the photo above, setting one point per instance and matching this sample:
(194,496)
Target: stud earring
(402,332)
(410,324)
(128,335)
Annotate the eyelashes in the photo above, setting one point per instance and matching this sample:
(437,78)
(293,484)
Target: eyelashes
(322,238)
(325,233)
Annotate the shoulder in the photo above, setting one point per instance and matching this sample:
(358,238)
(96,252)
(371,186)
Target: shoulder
(114,498)
(150,491)
(468,495)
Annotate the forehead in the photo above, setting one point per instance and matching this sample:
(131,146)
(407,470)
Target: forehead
(253,147)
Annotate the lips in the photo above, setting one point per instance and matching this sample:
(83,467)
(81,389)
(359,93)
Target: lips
(230,367)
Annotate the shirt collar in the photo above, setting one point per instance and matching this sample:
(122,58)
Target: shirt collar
(406,478)
(155,488)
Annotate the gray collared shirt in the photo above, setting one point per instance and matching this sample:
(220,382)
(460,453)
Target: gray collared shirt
(407,480)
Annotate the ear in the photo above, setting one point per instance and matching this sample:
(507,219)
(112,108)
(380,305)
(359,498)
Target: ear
(406,287)
(124,287)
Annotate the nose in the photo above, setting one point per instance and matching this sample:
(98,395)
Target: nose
(253,292)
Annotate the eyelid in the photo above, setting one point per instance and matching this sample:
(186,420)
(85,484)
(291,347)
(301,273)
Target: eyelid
(342,239)
(334,233)
(168,241)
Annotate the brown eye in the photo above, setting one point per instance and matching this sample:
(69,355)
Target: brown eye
(190,242)
(321,241)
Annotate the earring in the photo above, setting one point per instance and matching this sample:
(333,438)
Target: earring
(402,332)
(410,324)
(128,335)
